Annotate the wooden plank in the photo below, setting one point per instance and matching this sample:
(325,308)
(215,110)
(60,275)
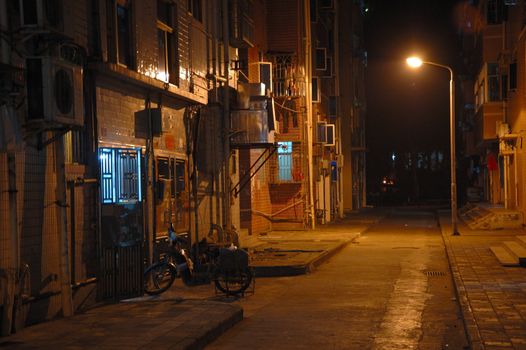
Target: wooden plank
(504,256)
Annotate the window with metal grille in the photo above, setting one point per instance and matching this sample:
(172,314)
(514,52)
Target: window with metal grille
(120,171)
(285,161)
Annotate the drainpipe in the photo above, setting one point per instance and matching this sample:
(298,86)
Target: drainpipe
(150,187)
(226,118)
(308,93)
(336,31)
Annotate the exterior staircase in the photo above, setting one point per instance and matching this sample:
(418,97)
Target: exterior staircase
(511,253)
(479,217)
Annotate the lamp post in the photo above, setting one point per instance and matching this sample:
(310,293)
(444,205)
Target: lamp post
(416,62)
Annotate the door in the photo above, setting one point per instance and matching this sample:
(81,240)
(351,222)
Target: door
(171,204)
(122,226)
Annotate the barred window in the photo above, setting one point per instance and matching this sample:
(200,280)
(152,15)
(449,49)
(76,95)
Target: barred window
(120,171)
(285,161)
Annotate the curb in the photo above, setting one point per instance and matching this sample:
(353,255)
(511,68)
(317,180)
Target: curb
(213,333)
(201,323)
(470,325)
(301,269)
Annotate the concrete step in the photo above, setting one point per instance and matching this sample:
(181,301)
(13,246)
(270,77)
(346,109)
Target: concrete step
(504,256)
(517,249)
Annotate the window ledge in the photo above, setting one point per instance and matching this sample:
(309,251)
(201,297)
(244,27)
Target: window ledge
(123,73)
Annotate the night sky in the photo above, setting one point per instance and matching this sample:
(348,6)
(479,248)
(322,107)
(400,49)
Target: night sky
(407,109)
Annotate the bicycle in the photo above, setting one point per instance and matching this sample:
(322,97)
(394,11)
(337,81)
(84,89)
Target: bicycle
(226,267)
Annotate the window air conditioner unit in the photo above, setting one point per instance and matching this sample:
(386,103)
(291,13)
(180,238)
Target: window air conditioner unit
(331,137)
(54,92)
(261,72)
(41,14)
(502,128)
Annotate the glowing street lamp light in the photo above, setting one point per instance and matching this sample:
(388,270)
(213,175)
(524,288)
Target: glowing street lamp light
(416,62)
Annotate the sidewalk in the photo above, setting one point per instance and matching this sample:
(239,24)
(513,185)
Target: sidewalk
(144,323)
(290,253)
(492,297)
(136,324)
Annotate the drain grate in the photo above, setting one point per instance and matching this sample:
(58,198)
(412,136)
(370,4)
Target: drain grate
(434,273)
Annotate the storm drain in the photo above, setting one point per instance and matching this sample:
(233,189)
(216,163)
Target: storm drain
(434,273)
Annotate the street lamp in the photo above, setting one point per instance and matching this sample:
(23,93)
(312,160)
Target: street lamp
(416,62)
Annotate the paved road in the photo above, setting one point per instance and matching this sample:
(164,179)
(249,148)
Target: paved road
(391,289)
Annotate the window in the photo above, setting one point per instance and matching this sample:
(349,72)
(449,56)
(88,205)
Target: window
(167,65)
(120,33)
(504,86)
(313,11)
(285,161)
(180,176)
(171,172)
(321,58)
(493,82)
(326,4)
(330,135)
(164,180)
(513,76)
(120,171)
(315,89)
(495,12)
(195,9)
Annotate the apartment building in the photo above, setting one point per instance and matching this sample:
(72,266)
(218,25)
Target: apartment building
(493,113)
(120,118)
(102,104)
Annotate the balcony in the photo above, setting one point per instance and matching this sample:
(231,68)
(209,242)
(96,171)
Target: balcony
(486,121)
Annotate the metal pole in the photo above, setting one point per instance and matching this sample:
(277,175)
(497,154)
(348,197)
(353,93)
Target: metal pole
(453,155)
(454,225)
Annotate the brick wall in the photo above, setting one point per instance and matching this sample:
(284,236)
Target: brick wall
(284,195)
(260,195)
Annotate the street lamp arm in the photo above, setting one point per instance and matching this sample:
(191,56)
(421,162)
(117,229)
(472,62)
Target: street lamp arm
(441,66)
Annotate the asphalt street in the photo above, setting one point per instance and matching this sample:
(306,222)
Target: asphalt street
(390,289)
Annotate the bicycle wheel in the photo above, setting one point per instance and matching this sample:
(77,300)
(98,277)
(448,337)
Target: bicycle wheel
(234,283)
(159,277)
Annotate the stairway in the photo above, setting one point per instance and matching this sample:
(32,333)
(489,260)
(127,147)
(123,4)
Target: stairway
(511,253)
(479,217)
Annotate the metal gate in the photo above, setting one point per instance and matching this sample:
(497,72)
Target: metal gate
(121,274)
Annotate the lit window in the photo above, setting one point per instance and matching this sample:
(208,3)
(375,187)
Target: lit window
(167,67)
(120,171)
(285,161)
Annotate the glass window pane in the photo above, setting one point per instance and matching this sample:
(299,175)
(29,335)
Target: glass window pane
(164,12)
(123,34)
(162,63)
